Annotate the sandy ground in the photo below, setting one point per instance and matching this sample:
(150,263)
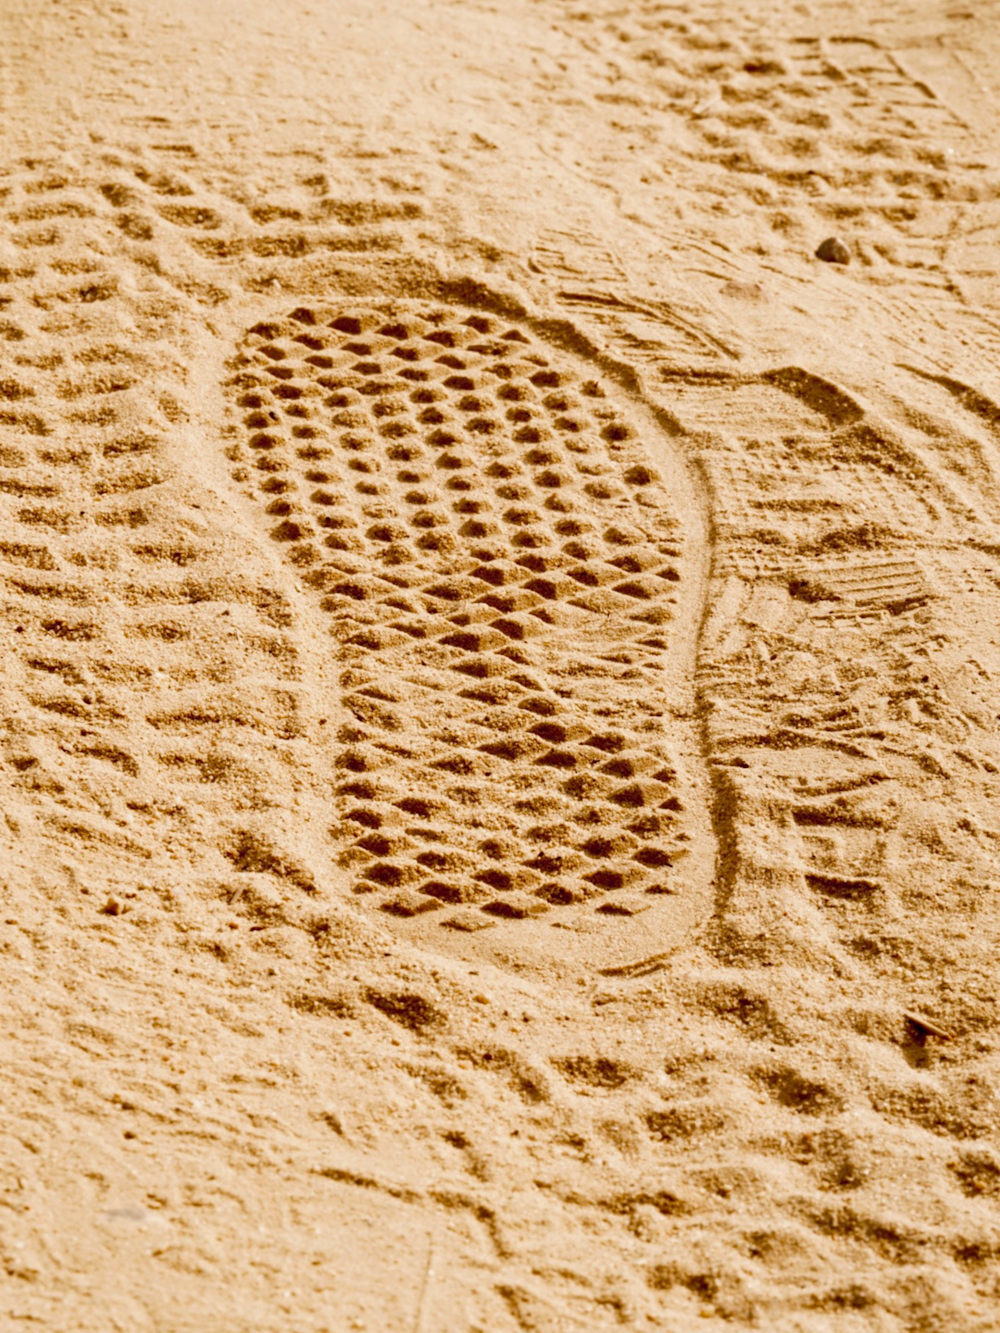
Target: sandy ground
(500,667)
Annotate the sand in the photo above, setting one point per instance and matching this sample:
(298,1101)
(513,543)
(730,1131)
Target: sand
(500,666)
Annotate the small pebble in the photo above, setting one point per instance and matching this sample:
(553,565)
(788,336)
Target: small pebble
(833,251)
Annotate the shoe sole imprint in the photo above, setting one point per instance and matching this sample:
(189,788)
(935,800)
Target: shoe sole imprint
(513,560)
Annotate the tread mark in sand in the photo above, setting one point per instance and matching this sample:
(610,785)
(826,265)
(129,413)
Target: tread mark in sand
(591,282)
(510,588)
